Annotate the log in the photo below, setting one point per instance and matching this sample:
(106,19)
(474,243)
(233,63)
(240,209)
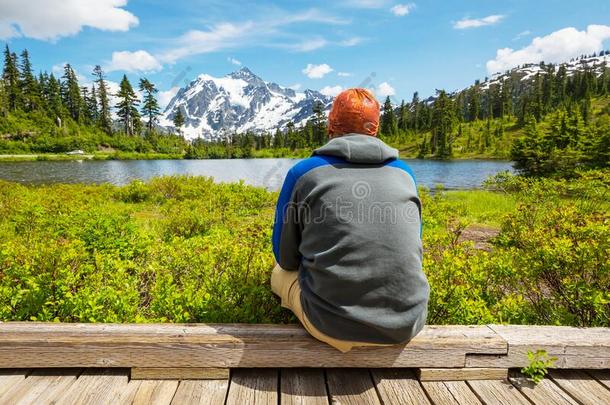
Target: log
(461,374)
(175,373)
(573,347)
(35,345)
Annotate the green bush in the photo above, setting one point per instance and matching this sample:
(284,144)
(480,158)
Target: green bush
(185,249)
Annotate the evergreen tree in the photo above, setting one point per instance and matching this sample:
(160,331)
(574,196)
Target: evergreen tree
(389,125)
(178,120)
(415,109)
(150,106)
(92,108)
(474,103)
(10,76)
(319,130)
(28,84)
(127,110)
(53,95)
(104,117)
(71,93)
(443,124)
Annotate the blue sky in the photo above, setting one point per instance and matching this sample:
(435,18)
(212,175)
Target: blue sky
(394,47)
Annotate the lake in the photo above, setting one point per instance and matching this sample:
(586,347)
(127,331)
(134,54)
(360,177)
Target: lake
(269,173)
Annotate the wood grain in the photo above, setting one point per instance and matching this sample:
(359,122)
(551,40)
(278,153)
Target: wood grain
(303,386)
(253,386)
(546,392)
(173,373)
(95,387)
(461,374)
(573,347)
(155,392)
(31,390)
(201,392)
(603,376)
(449,393)
(8,378)
(351,387)
(581,386)
(398,387)
(226,346)
(497,392)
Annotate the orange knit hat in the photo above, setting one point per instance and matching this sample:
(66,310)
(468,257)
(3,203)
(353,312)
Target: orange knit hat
(354,111)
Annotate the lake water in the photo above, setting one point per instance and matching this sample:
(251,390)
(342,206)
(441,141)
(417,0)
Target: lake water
(270,173)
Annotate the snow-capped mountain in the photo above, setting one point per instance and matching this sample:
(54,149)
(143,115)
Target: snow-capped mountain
(239,102)
(529,71)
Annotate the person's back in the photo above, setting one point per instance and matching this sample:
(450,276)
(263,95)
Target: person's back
(349,220)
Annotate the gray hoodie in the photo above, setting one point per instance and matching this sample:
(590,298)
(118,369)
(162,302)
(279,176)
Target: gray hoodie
(349,220)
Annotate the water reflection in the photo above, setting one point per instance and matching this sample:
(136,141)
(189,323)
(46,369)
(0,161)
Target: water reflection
(269,173)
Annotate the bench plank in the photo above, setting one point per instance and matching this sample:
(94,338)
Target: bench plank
(32,345)
(573,347)
(303,387)
(461,374)
(398,387)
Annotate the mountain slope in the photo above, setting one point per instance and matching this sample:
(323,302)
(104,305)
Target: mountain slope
(239,102)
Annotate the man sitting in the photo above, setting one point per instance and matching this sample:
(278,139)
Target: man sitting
(347,236)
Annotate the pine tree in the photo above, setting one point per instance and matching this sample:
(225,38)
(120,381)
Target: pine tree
(127,110)
(28,84)
(443,124)
(319,130)
(389,125)
(91,102)
(415,109)
(150,106)
(71,93)
(104,117)
(10,76)
(53,94)
(178,120)
(474,103)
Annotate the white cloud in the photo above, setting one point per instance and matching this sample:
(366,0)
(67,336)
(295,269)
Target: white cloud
(385,90)
(559,46)
(138,61)
(477,22)
(52,19)
(234,61)
(308,45)
(164,97)
(351,41)
(331,91)
(400,10)
(317,71)
(228,35)
(522,34)
(344,74)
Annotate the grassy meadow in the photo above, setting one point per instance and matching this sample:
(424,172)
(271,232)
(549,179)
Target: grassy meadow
(185,249)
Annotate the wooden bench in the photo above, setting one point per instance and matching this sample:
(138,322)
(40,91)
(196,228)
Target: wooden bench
(198,350)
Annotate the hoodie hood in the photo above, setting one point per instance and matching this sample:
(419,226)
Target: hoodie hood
(356,148)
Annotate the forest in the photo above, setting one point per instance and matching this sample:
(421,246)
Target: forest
(554,122)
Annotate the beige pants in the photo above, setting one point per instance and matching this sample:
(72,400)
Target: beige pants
(285,284)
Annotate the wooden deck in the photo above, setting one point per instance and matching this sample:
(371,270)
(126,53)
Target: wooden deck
(297,386)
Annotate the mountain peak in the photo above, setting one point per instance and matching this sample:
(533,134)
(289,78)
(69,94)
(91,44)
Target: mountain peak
(239,102)
(245,74)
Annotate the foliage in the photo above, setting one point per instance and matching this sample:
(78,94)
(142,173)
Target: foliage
(539,362)
(184,249)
